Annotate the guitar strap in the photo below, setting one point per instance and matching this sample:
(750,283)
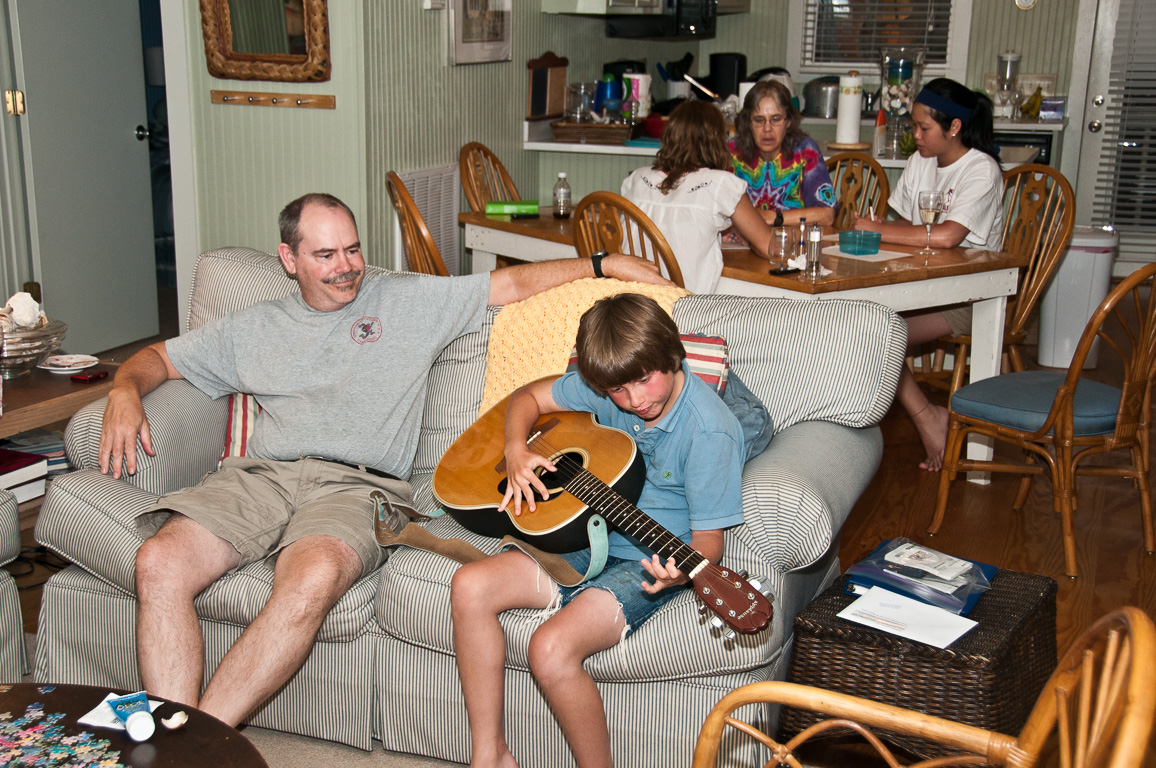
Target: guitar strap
(414,535)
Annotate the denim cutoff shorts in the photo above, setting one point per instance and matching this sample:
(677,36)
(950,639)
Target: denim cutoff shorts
(621,578)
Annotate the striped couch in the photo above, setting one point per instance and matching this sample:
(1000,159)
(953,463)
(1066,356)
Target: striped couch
(13,661)
(383,665)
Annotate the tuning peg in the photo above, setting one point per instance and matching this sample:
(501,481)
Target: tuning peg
(718,624)
(758,585)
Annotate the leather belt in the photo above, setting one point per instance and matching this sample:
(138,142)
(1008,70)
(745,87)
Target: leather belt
(359,467)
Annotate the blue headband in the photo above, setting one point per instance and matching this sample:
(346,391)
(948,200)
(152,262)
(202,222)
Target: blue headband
(940,104)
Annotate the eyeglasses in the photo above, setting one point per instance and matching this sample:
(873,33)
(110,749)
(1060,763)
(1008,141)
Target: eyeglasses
(775,120)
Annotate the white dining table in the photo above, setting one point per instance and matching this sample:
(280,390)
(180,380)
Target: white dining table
(907,282)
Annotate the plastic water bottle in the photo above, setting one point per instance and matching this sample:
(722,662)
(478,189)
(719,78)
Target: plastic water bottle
(561,197)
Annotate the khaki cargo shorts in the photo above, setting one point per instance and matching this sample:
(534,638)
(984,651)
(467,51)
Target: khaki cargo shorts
(261,506)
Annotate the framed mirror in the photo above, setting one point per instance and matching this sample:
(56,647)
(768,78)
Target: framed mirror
(283,40)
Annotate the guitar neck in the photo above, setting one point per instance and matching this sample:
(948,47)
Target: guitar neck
(633,521)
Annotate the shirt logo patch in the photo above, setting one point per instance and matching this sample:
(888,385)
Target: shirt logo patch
(366,330)
(666,475)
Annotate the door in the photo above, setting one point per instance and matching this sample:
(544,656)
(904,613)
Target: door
(1118,143)
(89,206)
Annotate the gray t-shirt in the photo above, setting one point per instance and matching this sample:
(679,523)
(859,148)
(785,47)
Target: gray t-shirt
(347,385)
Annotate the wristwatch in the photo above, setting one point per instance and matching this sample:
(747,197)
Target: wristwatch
(778,219)
(596,261)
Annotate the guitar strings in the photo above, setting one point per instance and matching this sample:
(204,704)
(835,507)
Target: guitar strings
(617,506)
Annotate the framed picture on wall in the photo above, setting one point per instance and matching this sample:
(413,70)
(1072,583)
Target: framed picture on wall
(480,31)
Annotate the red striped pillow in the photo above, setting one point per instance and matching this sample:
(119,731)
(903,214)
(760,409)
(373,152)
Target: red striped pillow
(707,357)
(243,410)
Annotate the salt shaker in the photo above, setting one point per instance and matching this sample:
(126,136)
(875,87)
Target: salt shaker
(814,250)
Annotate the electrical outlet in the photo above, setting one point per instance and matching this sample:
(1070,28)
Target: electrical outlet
(1027,83)
(433,5)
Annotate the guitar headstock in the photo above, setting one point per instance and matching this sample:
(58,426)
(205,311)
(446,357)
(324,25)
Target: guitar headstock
(742,607)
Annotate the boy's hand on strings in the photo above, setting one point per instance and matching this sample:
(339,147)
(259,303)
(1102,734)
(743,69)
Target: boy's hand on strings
(665,575)
(523,481)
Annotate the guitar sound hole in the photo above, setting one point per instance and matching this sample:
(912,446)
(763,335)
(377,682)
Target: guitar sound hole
(569,463)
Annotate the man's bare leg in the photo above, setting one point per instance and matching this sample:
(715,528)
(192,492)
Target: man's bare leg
(930,420)
(592,622)
(172,568)
(311,575)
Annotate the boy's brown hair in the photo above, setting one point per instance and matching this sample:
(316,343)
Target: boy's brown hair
(625,337)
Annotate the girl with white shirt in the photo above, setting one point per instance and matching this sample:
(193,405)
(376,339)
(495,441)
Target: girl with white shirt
(956,154)
(692,196)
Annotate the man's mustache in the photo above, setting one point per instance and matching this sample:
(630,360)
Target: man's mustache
(344,277)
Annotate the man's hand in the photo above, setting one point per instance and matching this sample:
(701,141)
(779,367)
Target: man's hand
(632,269)
(124,420)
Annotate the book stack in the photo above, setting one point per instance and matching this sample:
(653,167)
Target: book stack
(24,474)
(49,444)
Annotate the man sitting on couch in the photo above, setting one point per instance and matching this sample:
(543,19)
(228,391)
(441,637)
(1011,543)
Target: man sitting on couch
(340,373)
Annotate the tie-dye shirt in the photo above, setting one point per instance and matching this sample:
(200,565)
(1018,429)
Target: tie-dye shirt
(800,181)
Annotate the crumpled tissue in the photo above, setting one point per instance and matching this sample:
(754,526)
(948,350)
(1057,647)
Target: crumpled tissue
(21,311)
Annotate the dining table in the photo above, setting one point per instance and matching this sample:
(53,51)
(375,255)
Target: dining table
(898,277)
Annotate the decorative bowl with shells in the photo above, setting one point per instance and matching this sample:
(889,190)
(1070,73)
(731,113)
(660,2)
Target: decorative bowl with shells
(23,348)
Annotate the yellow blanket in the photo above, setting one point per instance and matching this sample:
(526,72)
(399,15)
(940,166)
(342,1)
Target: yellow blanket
(533,338)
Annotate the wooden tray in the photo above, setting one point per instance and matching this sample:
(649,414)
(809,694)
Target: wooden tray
(591,133)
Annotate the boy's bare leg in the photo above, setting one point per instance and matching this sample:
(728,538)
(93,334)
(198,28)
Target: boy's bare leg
(479,592)
(592,622)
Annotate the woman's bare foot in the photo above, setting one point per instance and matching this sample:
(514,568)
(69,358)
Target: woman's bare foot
(931,423)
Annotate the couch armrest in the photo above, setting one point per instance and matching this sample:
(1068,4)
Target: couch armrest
(798,492)
(188,434)
(9,527)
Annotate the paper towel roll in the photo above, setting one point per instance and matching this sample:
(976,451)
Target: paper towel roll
(848,109)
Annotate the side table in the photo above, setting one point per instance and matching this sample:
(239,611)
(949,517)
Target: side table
(39,397)
(989,678)
(50,713)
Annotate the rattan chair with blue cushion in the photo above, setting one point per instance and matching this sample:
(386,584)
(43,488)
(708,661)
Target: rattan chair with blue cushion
(13,662)
(1060,419)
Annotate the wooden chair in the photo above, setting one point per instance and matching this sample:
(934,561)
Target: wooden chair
(1057,426)
(1101,699)
(420,250)
(1039,213)
(861,186)
(610,222)
(484,178)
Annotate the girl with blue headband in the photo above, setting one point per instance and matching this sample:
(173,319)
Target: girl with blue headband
(956,155)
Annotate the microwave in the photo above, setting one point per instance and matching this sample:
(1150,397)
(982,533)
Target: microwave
(670,19)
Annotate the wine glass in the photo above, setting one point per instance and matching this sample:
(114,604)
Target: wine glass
(930,207)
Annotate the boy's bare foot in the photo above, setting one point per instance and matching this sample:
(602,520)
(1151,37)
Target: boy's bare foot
(931,422)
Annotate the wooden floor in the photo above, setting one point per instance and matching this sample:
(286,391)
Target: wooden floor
(980,524)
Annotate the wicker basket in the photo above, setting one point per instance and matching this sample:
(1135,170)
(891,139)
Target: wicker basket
(989,678)
(591,133)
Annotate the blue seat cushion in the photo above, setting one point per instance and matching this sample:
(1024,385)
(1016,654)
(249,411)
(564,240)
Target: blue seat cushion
(1022,401)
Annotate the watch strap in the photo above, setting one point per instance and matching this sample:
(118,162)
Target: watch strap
(778,219)
(596,262)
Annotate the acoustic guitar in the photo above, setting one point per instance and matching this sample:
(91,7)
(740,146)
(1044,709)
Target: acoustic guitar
(599,470)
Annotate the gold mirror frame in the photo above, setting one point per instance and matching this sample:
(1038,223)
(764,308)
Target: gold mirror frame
(224,62)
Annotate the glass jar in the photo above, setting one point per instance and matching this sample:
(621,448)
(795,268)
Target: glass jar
(901,69)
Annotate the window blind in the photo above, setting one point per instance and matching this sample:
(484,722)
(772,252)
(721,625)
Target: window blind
(1125,189)
(852,32)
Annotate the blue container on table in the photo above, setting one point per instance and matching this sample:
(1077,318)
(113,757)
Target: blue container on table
(859,243)
(607,89)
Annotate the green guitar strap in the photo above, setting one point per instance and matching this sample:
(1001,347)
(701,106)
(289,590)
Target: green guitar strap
(414,535)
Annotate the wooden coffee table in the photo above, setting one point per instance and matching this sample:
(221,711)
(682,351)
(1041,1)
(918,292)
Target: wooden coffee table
(39,397)
(203,740)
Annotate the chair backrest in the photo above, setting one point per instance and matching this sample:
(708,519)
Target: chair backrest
(1039,212)
(861,186)
(1133,304)
(610,222)
(1102,696)
(484,178)
(420,250)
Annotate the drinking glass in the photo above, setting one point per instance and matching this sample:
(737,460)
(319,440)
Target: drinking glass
(930,207)
(782,244)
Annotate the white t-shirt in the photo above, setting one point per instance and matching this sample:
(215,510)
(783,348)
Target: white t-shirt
(974,187)
(690,216)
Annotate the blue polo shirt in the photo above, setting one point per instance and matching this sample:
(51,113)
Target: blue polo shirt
(693,457)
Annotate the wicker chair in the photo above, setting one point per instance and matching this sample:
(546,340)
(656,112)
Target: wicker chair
(610,222)
(420,250)
(1101,699)
(861,186)
(484,178)
(1039,213)
(1057,425)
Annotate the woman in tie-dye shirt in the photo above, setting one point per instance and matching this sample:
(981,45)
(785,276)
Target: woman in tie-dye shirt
(783,167)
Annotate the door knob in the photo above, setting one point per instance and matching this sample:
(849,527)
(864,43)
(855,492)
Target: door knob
(1095,126)
(141,133)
